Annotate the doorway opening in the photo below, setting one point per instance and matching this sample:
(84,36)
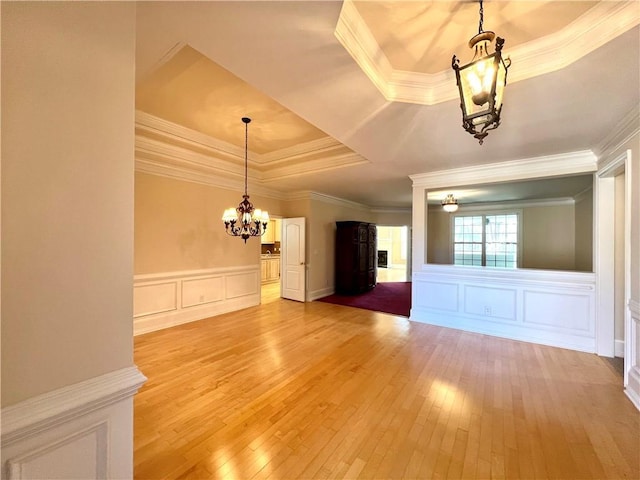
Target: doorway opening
(270,264)
(393,254)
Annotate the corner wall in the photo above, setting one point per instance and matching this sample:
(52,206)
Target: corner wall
(68,75)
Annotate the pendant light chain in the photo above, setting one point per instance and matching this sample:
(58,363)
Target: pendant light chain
(481,22)
(246,162)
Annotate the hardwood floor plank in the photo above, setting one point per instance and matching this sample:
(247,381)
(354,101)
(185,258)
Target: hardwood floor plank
(290,390)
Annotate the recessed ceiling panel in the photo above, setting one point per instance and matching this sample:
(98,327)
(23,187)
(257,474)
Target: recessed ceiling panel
(195,92)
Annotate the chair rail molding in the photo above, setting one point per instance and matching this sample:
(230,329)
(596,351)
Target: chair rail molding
(79,431)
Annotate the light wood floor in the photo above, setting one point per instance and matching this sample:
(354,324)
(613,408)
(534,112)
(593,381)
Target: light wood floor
(290,390)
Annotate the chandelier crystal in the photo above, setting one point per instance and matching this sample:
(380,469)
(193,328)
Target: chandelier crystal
(481,83)
(245,221)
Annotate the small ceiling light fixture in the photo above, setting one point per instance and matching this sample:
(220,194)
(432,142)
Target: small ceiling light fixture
(450,204)
(245,221)
(481,83)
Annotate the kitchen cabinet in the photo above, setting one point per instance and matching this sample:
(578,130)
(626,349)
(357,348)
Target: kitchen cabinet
(270,235)
(270,269)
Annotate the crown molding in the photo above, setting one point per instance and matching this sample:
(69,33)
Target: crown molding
(580,196)
(621,134)
(356,38)
(543,202)
(178,145)
(539,167)
(313,166)
(594,28)
(322,197)
(175,134)
(390,210)
(178,172)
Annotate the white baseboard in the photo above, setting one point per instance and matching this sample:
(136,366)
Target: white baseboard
(323,292)
(84,430)
(619,348)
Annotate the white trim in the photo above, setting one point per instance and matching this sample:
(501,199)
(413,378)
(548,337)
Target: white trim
(599,25)
(634,308)
(619,348)
(632,393)
(545,307)
(191,274)
(619,135)
(539,167)
(516,204)
(321,293)
(163,300)
(188,152)
(55,408)
(393,210)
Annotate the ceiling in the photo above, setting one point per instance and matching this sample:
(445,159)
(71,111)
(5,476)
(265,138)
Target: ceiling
(320,81)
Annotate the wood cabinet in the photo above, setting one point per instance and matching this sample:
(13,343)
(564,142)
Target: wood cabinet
(356,257)
(270,269)
(270,234)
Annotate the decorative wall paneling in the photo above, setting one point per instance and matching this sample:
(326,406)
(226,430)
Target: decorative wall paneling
(79,431)
(166,299)
(633,380)
(545,307)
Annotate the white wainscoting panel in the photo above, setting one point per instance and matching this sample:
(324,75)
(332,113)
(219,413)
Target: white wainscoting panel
(77,432)
(164,300)
(497,303)
(437,295)
(548,307)
(633,362)
(201,291)
(155,298)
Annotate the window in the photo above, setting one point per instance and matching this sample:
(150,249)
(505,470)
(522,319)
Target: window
(486,240)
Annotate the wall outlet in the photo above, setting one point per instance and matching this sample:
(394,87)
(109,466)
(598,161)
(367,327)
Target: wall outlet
(487,310)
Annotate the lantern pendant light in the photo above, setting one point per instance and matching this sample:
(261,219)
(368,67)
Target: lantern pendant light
(481,83)
(245,221)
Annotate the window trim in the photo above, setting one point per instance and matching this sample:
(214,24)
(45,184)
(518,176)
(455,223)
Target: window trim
(476,212)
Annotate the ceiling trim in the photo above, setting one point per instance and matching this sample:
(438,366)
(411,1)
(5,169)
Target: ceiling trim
(545,202)
(178,145)
(619,135)
(594,28)
(322,197)
(540,167)
(179,172)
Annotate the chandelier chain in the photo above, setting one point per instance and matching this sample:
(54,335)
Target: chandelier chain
(481,22)
(246,162)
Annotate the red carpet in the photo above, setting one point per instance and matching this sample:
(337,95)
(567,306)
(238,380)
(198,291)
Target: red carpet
(388,297)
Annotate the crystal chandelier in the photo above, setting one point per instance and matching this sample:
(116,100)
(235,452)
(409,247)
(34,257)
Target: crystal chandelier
(245,221)
(481,83)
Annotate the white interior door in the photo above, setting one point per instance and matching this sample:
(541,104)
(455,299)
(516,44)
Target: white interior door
(294,276)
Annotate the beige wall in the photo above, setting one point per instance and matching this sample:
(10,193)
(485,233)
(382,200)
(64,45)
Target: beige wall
(584,232)
(178,226)
(439,237)
(547,237)
(67,193)
(392,218)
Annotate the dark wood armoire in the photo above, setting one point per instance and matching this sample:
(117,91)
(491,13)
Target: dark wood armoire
(356,257)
